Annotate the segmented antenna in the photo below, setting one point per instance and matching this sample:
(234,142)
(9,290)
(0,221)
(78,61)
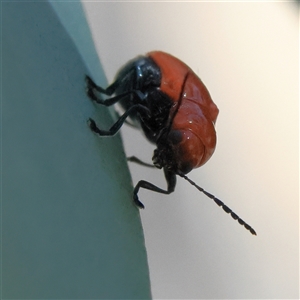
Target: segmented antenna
(219,203)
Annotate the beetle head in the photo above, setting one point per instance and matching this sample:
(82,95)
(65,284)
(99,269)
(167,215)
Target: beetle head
(170,152)
(163,158)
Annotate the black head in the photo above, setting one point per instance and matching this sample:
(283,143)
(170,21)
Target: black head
(169,153)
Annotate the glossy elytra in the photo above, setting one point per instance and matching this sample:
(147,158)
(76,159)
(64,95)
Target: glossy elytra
(168,101)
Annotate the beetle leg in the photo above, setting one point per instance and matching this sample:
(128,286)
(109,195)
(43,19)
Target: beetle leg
(115,128)
(140,162)
(109,101)
(171,182)
(131,124)
(91,86)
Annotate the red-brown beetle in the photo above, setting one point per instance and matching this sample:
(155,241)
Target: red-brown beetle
(164,97)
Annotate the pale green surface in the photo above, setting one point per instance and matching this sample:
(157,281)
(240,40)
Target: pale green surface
(69,228)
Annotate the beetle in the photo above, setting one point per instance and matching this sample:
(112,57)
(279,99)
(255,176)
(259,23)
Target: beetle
(163,96)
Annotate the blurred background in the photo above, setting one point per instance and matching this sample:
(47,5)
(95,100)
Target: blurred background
(246,53)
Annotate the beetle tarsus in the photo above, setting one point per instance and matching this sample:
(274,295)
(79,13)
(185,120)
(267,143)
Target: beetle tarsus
(90,85)
(137,202)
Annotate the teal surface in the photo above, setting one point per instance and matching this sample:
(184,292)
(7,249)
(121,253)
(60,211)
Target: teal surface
(69,228)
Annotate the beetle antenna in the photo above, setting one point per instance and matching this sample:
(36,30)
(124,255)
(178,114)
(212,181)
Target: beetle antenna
(219,203)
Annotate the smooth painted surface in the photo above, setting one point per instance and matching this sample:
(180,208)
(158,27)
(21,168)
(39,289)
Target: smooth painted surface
(247,55)
(69,228)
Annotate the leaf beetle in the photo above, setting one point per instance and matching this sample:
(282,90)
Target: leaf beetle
(163,96)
